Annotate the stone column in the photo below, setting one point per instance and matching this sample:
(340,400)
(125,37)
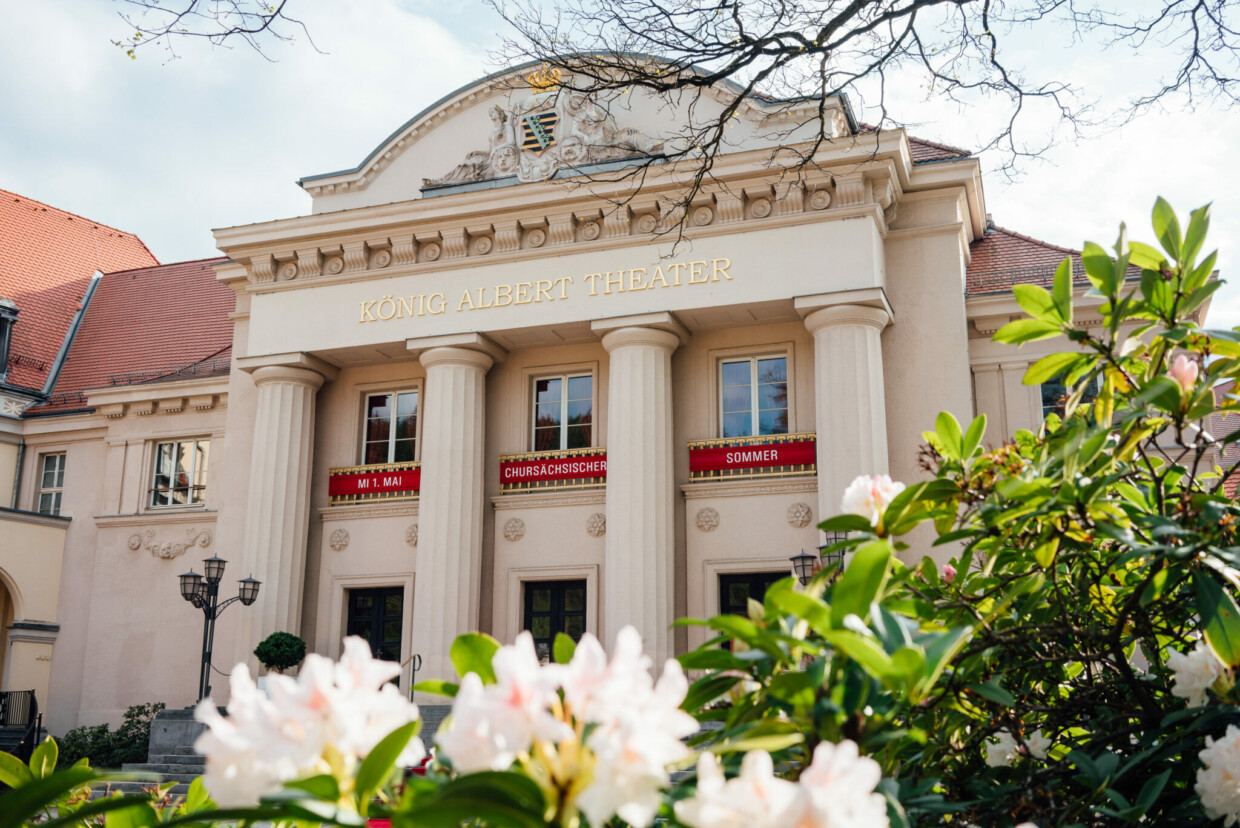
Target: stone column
(638,574)
(447,580)
(850,409)
(277,521)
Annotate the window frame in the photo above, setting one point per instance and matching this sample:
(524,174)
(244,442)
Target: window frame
(564,377)
(416,388)
(557,609)
(1058,409)
(754,409)
(194,474)
(57,491)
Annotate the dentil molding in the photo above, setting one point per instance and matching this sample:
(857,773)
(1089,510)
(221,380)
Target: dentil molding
(540,500)
(748,488)
(352,511)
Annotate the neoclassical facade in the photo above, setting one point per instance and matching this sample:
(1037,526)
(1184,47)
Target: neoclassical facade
(490,383)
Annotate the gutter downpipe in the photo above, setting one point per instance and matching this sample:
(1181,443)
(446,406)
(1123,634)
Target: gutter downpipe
(54,374)
(17,472)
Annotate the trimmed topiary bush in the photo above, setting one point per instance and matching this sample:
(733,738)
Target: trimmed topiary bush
(280,651)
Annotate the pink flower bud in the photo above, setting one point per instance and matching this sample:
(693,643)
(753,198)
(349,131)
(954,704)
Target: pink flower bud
(949,573)
(1184,371)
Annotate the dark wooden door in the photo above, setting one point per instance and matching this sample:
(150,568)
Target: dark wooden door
(377,615)
(554,607)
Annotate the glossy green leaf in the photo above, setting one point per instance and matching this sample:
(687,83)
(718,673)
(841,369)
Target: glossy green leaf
(1220,618)
(43,758)
(1038,303)
(1099,268)
(1051,366)
(864,650)
(13,771)
(98,807)
(994,691)
(1145,257)
(973,436)
(437,687)
(947,427)
(706,690)
(138,815)
(846,523)
(1167,227)
(860,584)
(1062,292)
(378,766)
(32,797)
(323,786)
(563,648)
(472,653)
(1195,235)
(1027,330)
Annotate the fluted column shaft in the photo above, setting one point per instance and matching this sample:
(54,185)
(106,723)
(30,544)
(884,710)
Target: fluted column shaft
(278,518)
(850,406)
(641,488)
(446,585)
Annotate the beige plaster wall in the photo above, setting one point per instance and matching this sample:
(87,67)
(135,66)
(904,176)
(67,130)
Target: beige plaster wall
(9,449)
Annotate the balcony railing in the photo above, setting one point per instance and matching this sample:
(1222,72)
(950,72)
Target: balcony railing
(374,483)
(553,471)
(747,458)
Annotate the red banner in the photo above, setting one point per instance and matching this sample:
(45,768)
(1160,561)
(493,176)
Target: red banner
(752,457)
(560,468)
(362,483)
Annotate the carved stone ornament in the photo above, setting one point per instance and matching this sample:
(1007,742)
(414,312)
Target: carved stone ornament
(287,271)
(647,223)
(536,237)
(334,265)
(411,535)
(339,541)
(483,245)
(170,549)
(381,258)
(596,525)
(514,529)
(760,207)
(820,200)
(799,515)
(548,131)
(431,252)
(707,519)
(703,216)
(591,230)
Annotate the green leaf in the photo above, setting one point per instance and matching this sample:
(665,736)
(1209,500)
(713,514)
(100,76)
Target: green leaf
(43,758)
(1038,303)
(861,581)
(97,807)
(1044,554)
(948,429)
(845,523)
(812,610)
(706,689)
(1063,290)
(13,771)
(973,436)
(196,797)
(1026,330)
(1150,791)
(138,815)
(437,687)
(1167,227)
(472,653)
(36,794)
(864,650)
(495,799)
(377,767)
(563,648)
(1145,257)
(1099,268)
(994,691)
(323,786)
(1195,236)
(1049,367)
(1220,618)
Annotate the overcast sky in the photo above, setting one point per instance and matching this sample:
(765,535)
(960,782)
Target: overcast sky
(171,149)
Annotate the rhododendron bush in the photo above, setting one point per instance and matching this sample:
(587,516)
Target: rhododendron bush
(1073,664)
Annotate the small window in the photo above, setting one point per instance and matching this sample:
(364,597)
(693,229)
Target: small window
(563,412)
(391,428)
(1055,396)
(753,396)
(180,477)
(51,483)
(553,607)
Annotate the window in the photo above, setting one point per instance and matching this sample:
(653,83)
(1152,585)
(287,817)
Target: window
(377,616)
(180,477)
(553,607)
(753,396)
(1055,396)
(51,483)
(391,428)
(563,412)
(736,590)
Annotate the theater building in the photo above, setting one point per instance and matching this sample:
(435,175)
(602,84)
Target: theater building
(488,382)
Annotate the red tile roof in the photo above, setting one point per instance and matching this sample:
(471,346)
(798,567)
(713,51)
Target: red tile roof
(47,257)
(1219,427)
(149,325)
(1002,258)
(923,150)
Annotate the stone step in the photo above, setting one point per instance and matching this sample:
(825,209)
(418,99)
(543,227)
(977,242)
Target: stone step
(163,768)
(101,789)
(176,759)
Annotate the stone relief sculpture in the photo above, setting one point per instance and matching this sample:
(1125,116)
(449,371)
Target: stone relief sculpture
(170,549)
(546,132)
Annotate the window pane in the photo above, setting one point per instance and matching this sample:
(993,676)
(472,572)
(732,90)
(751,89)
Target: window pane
(379,407)
(407,427)
(574,626)
(547,439)
(542,600)
(407,404)
(541,626)
(547,414)
(574,600)
(580,411)
(377,430)
(56,503)
(737,425)
(403,452)
(738,593)
(773,422)
(391,630)
(736,398)
(200,467)
(392,604)
(773,370)
(376,453)
(578,437)
(547,390)
(580,388)
(773,395)
(46,503)
(736,373)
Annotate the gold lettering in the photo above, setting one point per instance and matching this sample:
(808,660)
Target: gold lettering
(367,316)
(443,303)
(658,276)
(421,298)
(564,282)
(386,300)
(721,267)
(618,282)
(466,298)
(592,278)
(523,293)
(695,270)
(405,307)
(504,291)
(540,290)
(482,299)
(636,282)
(676,268)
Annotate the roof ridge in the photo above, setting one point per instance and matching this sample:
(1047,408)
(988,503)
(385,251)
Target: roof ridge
(167,264)
(936,144)
(1024,237)
(78,215)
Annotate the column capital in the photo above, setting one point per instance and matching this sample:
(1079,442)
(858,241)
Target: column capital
(659,321)
(874,297)
(854,315)
(620,337)
(453,355)
(466,342)
(295,364)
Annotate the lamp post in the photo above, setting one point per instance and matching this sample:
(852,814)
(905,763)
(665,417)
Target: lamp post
(204,593)
(806,566)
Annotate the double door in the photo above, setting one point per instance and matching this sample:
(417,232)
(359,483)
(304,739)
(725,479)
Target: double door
(377,615)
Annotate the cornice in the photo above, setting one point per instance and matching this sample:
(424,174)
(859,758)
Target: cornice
(539,500)
(20,516)
(748,488)
(173,397)
(361,511)
(154,518)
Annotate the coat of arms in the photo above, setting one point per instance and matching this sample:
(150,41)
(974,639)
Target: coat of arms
(538,132)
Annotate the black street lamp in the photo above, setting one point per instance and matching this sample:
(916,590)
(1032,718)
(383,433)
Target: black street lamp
(836,557)
(806,566)
(204,593)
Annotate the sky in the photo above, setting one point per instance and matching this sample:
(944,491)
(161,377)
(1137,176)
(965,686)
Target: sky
(169,149)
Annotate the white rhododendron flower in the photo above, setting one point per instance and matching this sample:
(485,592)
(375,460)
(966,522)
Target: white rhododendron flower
(1195,673)
(870,496)
(635,724)
(346,707)
(1039,745)
(1218,781)
(837,789)
(1002,751)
